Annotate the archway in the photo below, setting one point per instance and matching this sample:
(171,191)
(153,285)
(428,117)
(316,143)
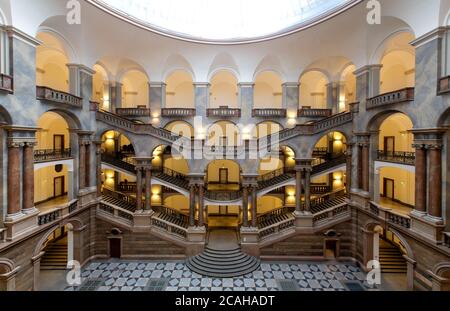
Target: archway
(223,134)
(224,90)
(181,128)
(398,60)
(100,88)
(135,89)
(313,90)
(51,63)
(180,90)
(268,91)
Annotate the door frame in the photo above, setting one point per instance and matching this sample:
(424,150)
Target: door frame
(227,176)
(386,138)
(63,143)
(385,180)
(117,239)
(63,186)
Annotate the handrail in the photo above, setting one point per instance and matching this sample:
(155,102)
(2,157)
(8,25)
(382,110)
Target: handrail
(121,197)
(314,113)
(399,96)
(46,93)
(43,155)
(397,156)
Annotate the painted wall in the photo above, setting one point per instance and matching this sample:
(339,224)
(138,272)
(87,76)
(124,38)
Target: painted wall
(43,182)
(404,188)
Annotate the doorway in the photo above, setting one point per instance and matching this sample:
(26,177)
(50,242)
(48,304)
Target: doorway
(389,144)
(58,187)
(389,188)
(223,176)
(115,248)
(58,142)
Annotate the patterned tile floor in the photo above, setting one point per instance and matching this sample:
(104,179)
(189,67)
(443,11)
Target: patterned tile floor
(175,276)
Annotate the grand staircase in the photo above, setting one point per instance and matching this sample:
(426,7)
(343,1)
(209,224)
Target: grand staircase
(391,258)
(323,203)
(118,199)
(274,217)
(223,263)
(55,257)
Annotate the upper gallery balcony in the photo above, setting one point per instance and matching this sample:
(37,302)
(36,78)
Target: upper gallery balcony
(6,83)
(308,112)
(400,157)
(444,85)
(400,96)
(44,155)
(223,112)
(178,112)
(58,97)
(269,113)
(139,111)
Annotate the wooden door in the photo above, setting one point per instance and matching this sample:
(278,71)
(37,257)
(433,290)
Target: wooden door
(389,188)
(58,186)
(223,176)
(58,142)
(115,248)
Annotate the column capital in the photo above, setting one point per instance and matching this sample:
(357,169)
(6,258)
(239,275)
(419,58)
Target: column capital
(201,84)
(250,180)
(17,142)
(157,84)
(81,68)
(428,136)
(434,146)
(246,84)
(291,84)
(367,69)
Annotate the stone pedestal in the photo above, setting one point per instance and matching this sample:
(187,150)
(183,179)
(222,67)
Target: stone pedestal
(196,234)
(426,227)
(250,241)
(20,225)
(303,220)
(142,220)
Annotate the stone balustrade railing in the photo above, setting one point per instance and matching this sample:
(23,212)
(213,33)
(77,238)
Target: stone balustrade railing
(269,113)
(401,157)
(129,187)
(277,228)
(57,213)
(308,112)
(223,112)
(133,112)
(331,214)
(272,214)
(116,212)
(6,83)
(43,155)
(400,96)
(178,112)
(58,97)
(332,122)
(169,227)
(2,235)
(389,216)
(444,85)
(223,195)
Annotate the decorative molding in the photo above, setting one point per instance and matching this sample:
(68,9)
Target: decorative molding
(16,33)
(437,33)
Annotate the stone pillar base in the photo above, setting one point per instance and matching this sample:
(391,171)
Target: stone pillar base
(428,227)
(250,241)
(142,220)
(303,220)
(19,224)
(87,195)
(196,234)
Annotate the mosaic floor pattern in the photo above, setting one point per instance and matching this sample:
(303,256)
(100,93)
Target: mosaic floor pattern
(175,276)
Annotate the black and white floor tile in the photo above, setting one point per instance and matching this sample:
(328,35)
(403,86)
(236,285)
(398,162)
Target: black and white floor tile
(175,276)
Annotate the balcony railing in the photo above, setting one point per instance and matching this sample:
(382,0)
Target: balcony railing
(58,97)
(223,112)
(400,96)
(444,85)
(289,223)
(178,112)
(397,157)
(6,83)
(133,112)
(46,155)
(334,212)
(269,113)
(116,212)
(223,195)
(129,187)
(308,112)
(386,214)
(159,222)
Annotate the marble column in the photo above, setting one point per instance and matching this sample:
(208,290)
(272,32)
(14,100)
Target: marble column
(254,206)
(88,165)
(28,176)
(139,188)
(245,206)
(82,166)
(13,179)
(308,190)
(192,205)
(359,168)
(333,97)
(365,167)
(157,101)
(421,180)
(98,166)
(148,188)
(246,101)
(435,181)
(116,96)
(201,205)
(298,190)
(291,102)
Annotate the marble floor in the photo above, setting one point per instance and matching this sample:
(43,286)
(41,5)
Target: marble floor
(52,204)
(175,276)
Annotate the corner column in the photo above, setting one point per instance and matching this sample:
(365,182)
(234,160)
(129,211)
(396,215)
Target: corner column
(435,181)
(298,189)
(13,179)
(245,206)
(28,177)
(421,180)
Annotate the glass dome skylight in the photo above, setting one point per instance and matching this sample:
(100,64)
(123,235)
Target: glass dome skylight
(223,20)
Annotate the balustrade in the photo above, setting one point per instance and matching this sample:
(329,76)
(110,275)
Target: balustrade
(178,112)
(44,155)
(58,97)
(223,112)
(133,112)
(116,212)
(400,96)
(269,113)
(308,112)
(397,157)
(49,217)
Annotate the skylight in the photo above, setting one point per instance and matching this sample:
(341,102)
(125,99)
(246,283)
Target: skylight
(224,20)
